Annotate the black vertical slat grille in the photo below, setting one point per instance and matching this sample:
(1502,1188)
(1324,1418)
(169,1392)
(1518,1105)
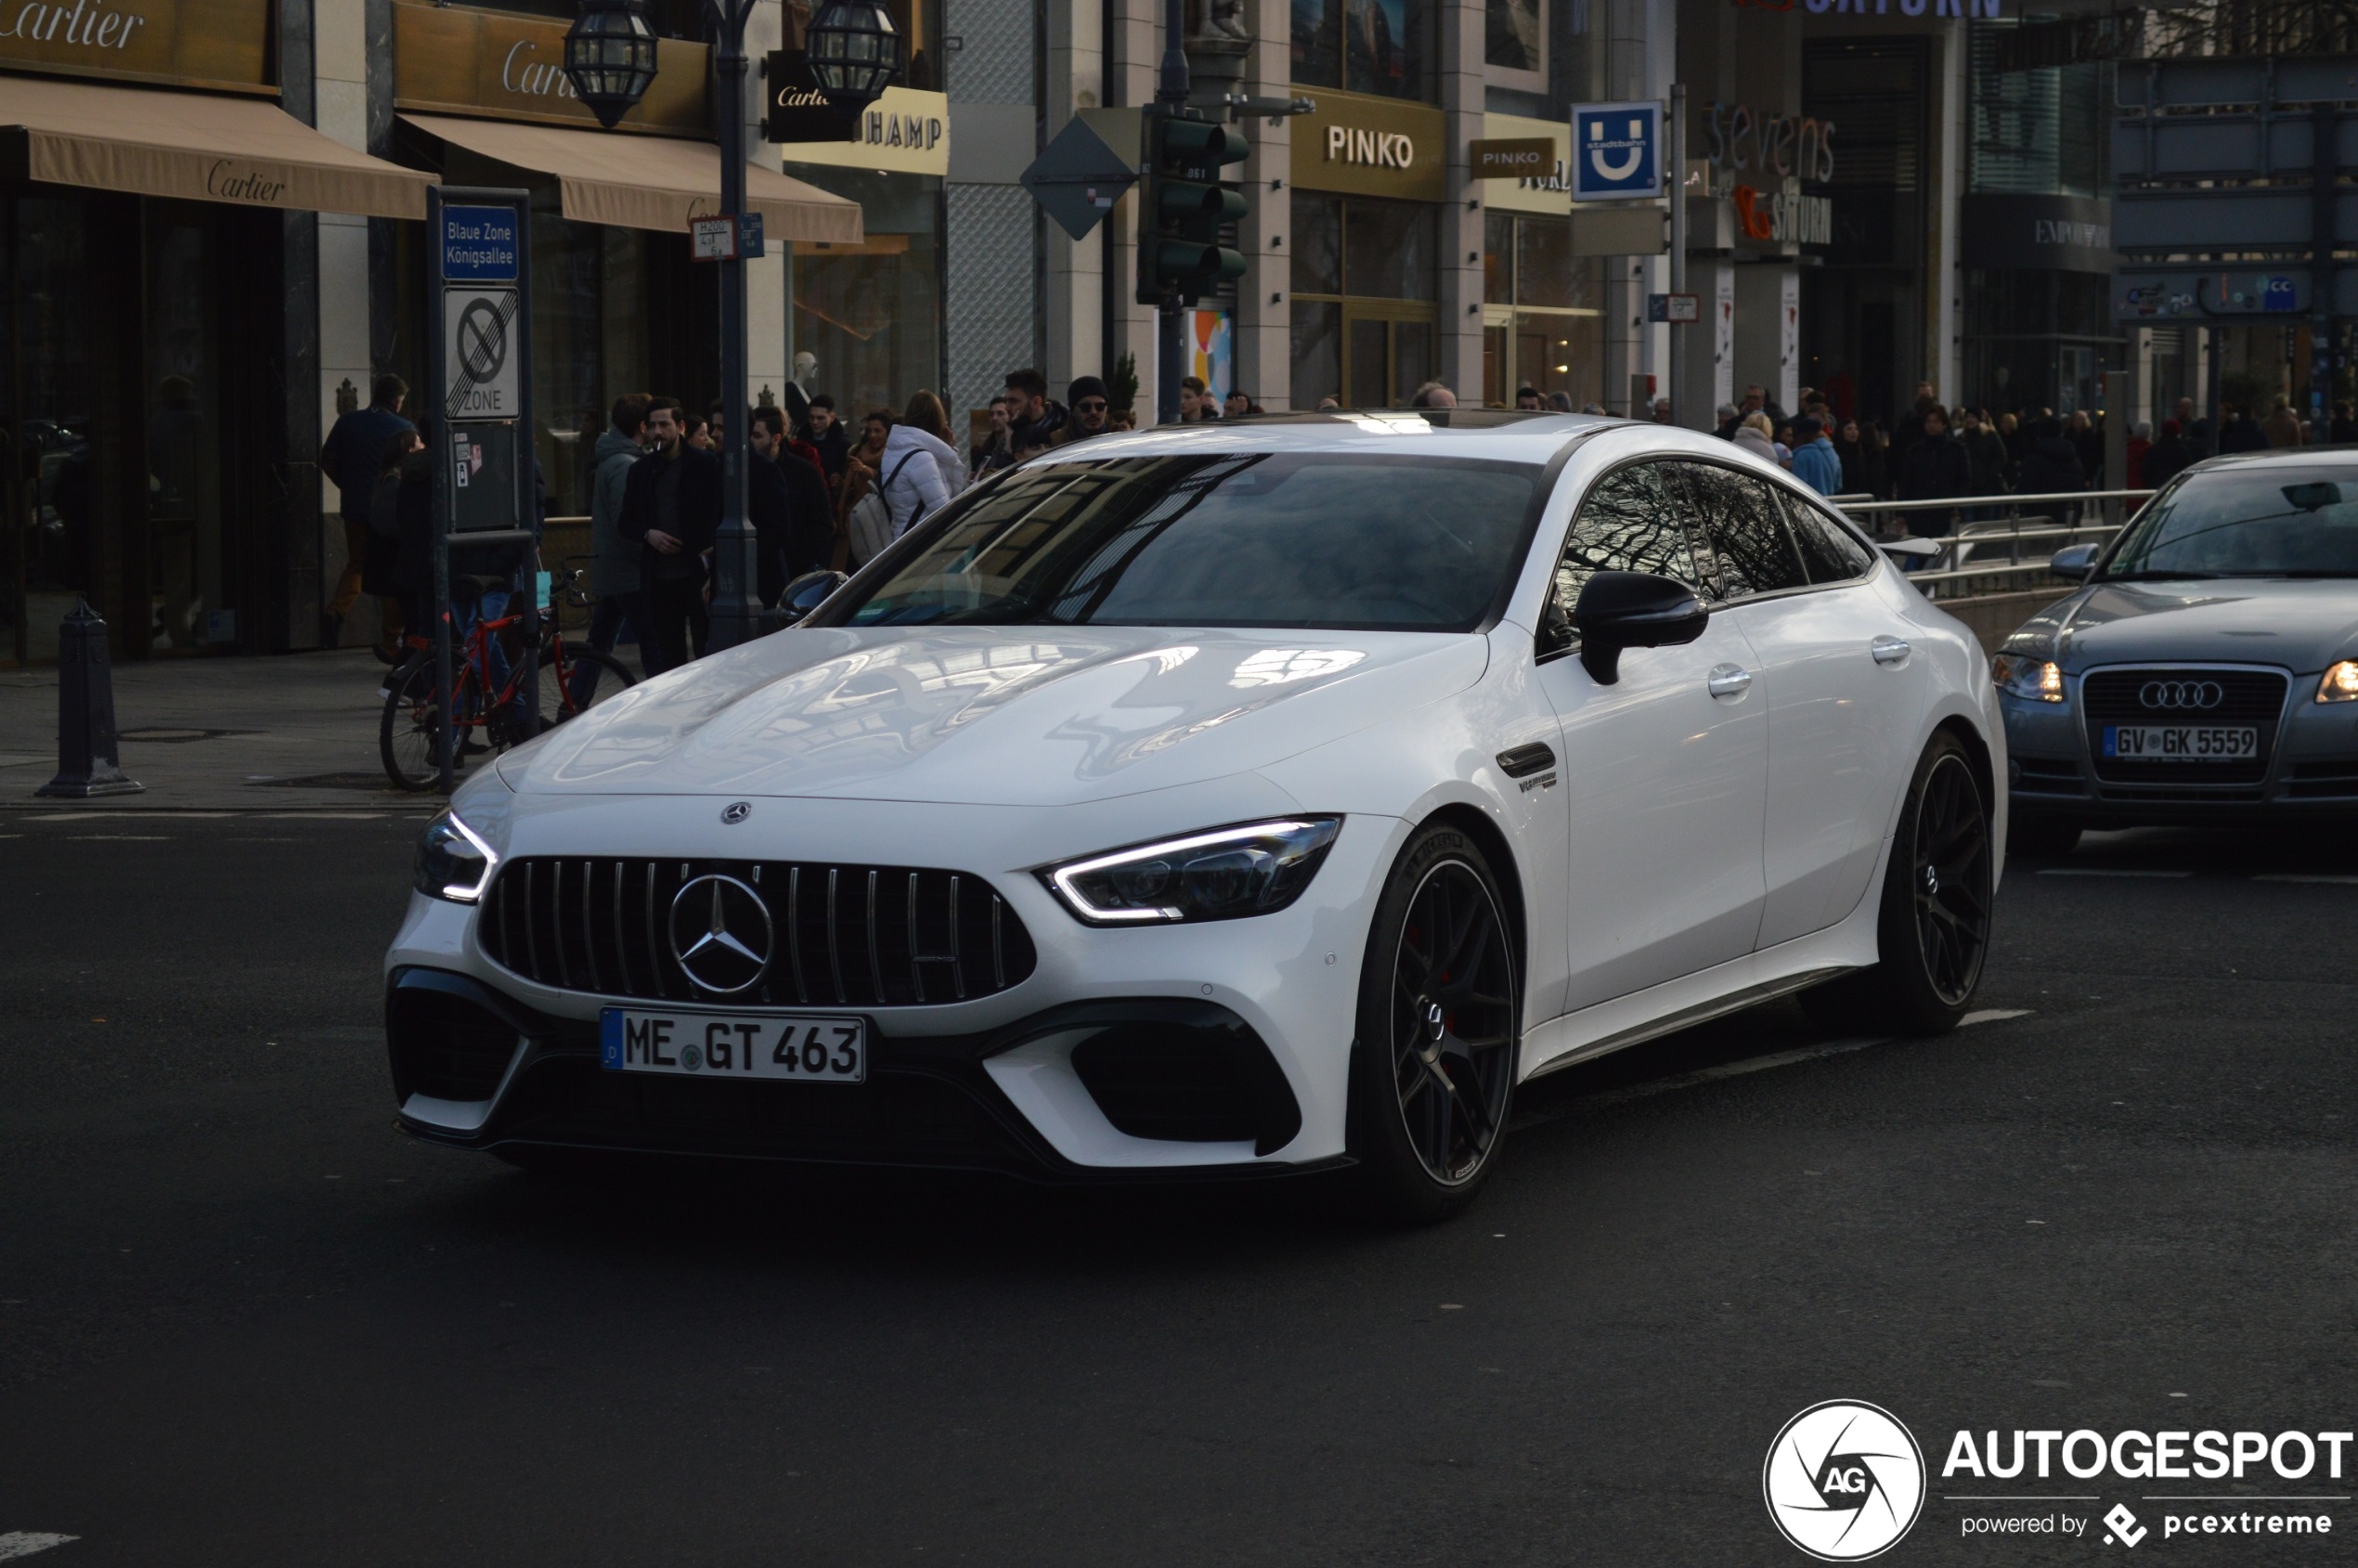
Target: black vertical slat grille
(842,936)
(2247,696)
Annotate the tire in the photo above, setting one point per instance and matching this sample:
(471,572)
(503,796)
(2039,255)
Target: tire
(2041,837)
(1439,1033)
(1931,933)
(409,732)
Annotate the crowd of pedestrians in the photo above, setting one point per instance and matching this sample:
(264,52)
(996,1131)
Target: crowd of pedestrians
(1934,452)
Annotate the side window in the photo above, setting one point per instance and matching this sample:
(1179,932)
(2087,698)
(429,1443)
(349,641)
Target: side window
(1626,523)
(1739,525)
(1831,551)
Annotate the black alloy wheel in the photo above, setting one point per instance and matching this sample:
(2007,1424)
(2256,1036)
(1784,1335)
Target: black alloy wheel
(1440,1031)
(1951,884)
(1932,932)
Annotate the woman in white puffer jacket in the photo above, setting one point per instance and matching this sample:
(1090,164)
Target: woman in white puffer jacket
(920,470)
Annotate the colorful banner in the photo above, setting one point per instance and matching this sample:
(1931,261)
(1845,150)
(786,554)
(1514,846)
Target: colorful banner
(1212,350)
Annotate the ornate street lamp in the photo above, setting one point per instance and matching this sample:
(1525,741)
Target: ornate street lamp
(610,56)
(853,50)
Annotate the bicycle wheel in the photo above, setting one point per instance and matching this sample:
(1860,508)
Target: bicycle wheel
(411,731)
(586,678)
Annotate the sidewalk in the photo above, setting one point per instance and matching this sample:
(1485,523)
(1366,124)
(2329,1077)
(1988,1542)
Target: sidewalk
(263,733)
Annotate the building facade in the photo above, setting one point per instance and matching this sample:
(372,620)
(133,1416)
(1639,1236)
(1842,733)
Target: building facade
(1827,168)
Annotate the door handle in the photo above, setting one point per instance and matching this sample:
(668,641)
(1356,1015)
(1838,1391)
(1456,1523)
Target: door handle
(1889,649)
(1728,680)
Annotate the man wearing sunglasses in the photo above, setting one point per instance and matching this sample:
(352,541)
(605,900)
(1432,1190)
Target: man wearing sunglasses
(1092,411)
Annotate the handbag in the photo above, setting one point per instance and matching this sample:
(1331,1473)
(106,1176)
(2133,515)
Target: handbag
(871,521)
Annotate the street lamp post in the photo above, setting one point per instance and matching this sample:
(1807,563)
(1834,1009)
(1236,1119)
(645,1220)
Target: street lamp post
(856,40)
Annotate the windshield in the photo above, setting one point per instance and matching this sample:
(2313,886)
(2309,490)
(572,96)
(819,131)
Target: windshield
(1243,540)
(2264,520)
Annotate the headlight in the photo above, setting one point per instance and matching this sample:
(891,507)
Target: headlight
(2037,679)
(2340,683)
(1223,875)
(452,861)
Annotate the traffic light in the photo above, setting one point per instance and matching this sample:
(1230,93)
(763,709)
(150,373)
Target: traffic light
(1184,204)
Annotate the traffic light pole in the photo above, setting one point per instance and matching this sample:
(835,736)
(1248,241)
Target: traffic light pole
(1170,338)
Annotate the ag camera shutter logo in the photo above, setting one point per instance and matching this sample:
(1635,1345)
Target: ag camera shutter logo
(1844,1481)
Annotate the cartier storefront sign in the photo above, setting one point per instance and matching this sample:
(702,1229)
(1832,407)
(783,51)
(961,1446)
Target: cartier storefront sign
(452,60)
(216,43)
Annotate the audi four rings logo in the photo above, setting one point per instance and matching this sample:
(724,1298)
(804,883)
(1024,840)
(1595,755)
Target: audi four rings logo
(721,933)
(1844,1481)
(2182,694)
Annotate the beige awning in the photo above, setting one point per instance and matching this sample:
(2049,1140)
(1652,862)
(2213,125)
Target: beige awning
(649,182)
(196,145)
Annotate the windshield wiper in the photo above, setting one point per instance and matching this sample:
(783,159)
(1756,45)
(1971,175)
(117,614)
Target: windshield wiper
(2311,572)
(2158,576)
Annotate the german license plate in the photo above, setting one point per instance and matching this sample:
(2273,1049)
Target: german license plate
(2181,742)
(801,1050)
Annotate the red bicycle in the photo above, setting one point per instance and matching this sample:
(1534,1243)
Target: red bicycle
(487,693)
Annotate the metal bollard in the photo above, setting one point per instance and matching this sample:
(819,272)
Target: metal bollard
(86,764)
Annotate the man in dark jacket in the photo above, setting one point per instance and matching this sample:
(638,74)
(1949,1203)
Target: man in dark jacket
(1033,416)
(2238,431)
(2051,465)
(1986,451)
(671,509)
(825,431)
(1935,469)
(2171,454)
(787,498)
(350,459)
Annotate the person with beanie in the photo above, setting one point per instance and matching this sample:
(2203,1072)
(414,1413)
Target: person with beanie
(1092,412)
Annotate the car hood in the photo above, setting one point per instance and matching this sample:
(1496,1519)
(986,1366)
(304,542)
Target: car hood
(1037,716)
(2300,625)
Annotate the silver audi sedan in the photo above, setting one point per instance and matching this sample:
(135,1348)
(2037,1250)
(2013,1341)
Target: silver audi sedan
(2207,670)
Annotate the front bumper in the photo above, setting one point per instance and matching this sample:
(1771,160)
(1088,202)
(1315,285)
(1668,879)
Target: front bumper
(475,1069)
(2312,770)
(1040,1079)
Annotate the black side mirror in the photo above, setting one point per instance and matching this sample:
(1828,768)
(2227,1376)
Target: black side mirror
(2074,560)
(1619,610)
(807,592)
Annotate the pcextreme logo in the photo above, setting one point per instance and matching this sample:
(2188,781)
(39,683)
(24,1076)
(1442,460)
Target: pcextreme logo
(1844,1481)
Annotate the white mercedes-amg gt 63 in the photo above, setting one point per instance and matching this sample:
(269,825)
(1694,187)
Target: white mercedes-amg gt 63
(1223,799)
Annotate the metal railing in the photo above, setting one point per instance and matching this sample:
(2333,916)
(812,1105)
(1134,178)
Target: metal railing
(1965,562)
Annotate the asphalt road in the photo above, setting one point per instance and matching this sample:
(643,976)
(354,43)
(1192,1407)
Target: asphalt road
(243,1322)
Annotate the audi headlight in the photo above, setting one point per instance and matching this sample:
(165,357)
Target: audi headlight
(452,861)
(2039,680)
(1224,874)
(2340,684)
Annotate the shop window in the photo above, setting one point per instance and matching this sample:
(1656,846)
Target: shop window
(1317,244)
(872,313)
(185,552)
(1544,321)
(1364,274)
(1386,48)
(1516,36)
(46,546)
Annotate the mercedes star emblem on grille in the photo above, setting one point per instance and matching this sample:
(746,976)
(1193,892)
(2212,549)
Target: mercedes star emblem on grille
(2182,694)
(721,933)
(735,812)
